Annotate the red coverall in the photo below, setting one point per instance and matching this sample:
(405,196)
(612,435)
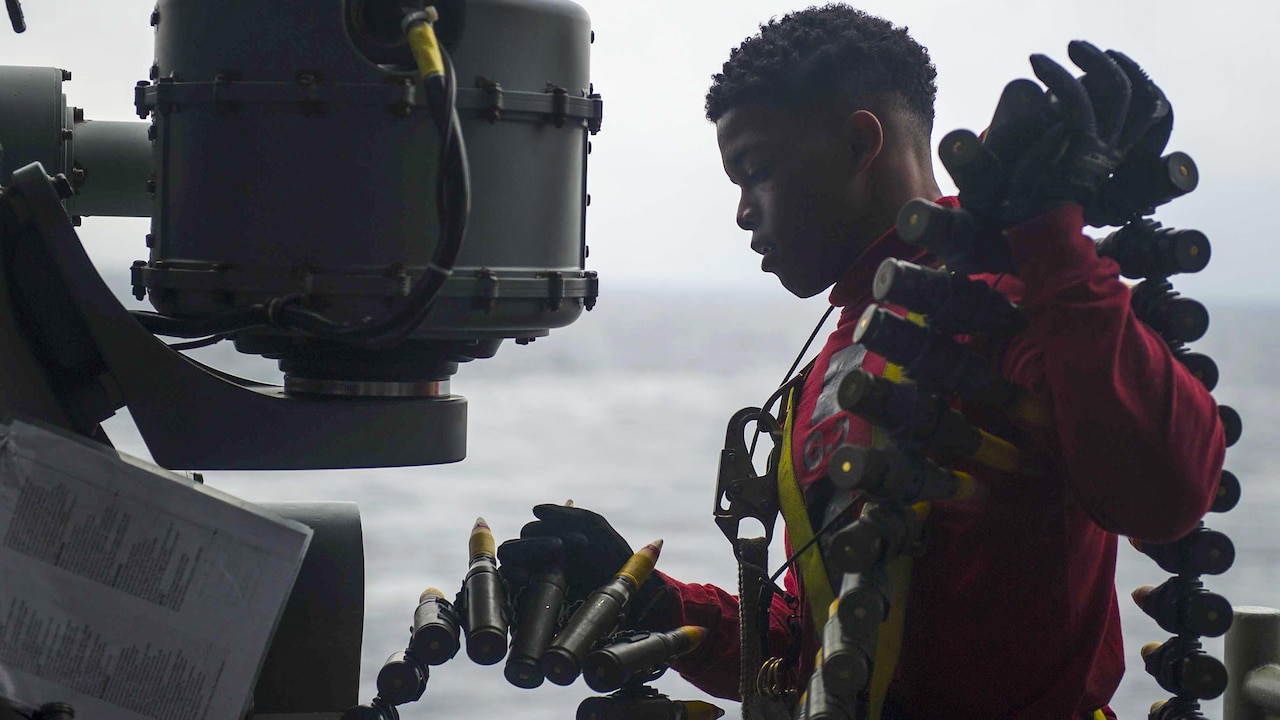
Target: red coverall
(1011,611)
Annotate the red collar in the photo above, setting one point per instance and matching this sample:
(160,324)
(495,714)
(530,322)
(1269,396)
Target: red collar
(854,288)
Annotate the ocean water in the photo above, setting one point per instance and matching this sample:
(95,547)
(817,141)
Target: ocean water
(624,413)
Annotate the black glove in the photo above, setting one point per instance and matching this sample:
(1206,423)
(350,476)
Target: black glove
(1080,150)
(593,553)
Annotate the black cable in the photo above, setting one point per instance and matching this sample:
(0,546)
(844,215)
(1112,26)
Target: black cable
(842,515)
(786,379)
(203,342)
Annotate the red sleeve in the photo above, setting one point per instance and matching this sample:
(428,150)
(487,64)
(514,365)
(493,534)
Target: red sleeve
(1139,436)
(714,666)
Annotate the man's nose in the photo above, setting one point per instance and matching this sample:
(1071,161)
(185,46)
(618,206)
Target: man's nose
(748,216)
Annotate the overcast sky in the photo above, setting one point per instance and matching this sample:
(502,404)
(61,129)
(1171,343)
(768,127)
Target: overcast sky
(661,207)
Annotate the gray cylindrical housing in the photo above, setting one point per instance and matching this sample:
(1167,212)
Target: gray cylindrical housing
(1253,642)
(108,163)
(288,163)
(35,125)
(114,163)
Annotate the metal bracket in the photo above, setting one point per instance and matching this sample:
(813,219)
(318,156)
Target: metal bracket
(748,494)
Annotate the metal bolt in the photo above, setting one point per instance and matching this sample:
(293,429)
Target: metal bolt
(67,134)
(151,186)
(77,178)
(77,114)
(155,18)
(151,132)
(588,199)
(76,221)
(155,71)
(151,242)
(66,75)
(63,186)
(143,83)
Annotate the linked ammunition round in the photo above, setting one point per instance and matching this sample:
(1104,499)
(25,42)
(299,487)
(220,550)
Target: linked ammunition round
(1144,249)
(379,709)
(952,302)
(951,234)
(1200,552)
(1228,494)
(1140,185)
(1183,668)
(402,679)
(615,665)
(486,620)
(883,532)
(846,664)
(540,608)
(597,617)
(818,704)
(1177,319)
(864,601)
(435,629)
(1182,606)
(1232,425)
(974,168)
(934,360)
(1201,366)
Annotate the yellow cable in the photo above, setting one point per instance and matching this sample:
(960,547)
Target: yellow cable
(426,49)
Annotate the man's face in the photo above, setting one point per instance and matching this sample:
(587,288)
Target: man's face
(801,197)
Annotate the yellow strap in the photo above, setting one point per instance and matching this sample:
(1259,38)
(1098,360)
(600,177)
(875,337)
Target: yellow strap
(817,587)
(889,637)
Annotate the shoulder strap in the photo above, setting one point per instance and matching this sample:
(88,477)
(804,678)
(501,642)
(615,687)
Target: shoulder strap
(817,586)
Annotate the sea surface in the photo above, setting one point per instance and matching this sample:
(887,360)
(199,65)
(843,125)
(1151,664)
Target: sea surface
(624,412)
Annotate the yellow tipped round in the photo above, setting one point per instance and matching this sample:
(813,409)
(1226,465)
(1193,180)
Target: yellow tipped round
(1148,649)
(698,710)
(481,542)
(1140,594)
(967,488)
(640,565)
(428,593)
(695,634)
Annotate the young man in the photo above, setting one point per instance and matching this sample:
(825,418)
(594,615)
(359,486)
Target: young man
(823,121)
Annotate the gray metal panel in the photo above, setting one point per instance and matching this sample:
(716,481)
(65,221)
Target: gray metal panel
(313,664)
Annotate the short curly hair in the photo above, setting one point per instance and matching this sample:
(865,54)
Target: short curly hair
(825,53)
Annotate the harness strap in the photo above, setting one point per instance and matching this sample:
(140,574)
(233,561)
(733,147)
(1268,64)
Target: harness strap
(898,570)
(817,586)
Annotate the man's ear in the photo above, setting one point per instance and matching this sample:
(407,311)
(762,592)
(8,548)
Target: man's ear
(865,136)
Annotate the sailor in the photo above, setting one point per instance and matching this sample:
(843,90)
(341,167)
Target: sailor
(1009,610)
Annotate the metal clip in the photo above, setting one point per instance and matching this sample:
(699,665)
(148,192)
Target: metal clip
(559,104)
(747,494)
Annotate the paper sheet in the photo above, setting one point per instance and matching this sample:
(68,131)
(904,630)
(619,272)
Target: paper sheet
(128,591)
